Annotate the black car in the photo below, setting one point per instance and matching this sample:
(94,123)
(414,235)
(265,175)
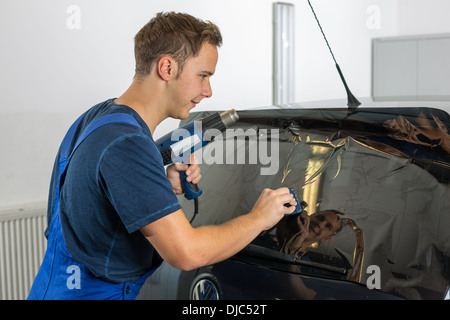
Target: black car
(382,171)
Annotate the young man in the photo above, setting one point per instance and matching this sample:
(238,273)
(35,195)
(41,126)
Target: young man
(296,233)
(113,211)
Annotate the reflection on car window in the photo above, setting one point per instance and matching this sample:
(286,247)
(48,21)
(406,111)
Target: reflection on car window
(377,190)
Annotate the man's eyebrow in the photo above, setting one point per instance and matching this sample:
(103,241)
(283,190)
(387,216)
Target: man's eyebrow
(209,73)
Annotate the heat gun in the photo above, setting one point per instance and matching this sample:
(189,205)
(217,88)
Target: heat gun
(178,145)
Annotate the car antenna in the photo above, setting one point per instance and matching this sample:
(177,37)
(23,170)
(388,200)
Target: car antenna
(352,102)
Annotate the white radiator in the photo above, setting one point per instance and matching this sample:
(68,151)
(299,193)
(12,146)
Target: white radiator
(22,248)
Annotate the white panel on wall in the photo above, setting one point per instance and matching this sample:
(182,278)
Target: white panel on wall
(411,68)
(434,67)
(394,68)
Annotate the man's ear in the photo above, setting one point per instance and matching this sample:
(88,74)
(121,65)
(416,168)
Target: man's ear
(167,68)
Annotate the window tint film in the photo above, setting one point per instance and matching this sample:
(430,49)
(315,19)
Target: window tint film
(375,187)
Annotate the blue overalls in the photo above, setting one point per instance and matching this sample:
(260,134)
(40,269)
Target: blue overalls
(60,276)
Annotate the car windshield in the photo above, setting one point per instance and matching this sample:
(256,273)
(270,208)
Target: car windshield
(375,185)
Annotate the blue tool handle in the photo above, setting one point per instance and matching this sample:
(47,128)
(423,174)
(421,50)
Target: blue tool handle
(191,190)
(298,207)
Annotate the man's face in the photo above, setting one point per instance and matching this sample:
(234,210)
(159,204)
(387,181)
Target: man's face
(323,225)
(193,85)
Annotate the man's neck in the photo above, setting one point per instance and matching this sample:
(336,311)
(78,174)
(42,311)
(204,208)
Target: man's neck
(144,97)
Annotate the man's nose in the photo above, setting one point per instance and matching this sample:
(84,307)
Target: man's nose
(207,90)
(322,225)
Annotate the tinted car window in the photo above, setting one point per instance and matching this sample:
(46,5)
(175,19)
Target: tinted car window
(382,176)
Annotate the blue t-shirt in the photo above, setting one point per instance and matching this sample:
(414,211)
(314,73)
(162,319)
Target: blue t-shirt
(114,185)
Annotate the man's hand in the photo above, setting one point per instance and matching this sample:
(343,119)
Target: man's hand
(303,221)
(187,248)
(192,172)
(270,206)
(293,245)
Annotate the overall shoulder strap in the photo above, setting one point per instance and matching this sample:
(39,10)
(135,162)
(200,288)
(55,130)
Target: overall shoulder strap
(68,137)
(64,158)
(97,123)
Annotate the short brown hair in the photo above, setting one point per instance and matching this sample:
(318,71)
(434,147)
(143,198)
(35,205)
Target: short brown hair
(178,35)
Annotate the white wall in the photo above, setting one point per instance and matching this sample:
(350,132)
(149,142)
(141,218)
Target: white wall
(50,73)
(421,17)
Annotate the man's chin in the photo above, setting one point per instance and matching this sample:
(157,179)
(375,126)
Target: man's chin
(186,114)
(182,114)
